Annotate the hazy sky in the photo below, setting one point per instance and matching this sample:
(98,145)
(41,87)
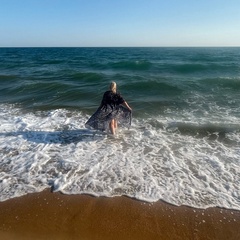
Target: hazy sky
(84,23)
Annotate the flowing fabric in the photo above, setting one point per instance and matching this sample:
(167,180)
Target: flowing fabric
(109,109)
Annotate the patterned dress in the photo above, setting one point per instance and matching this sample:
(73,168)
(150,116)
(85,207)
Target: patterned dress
(109,109)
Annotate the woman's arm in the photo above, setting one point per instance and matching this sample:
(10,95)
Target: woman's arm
(126,105)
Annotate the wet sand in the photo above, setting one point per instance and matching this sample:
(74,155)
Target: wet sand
(52,216)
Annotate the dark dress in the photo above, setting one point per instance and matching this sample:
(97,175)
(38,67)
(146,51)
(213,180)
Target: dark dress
(109,109)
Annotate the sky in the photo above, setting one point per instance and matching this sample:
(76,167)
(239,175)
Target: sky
(119,23)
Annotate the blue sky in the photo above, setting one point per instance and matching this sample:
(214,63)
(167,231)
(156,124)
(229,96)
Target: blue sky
(83,23)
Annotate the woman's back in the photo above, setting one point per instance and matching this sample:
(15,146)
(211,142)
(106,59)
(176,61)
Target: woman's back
(112,99)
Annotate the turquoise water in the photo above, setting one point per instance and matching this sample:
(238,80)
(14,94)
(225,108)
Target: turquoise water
(52,78)
(183,146)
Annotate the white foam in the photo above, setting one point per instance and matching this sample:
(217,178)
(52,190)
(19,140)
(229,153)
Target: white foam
(151,161)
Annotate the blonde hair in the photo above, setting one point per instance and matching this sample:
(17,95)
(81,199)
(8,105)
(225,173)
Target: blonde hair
(113,87)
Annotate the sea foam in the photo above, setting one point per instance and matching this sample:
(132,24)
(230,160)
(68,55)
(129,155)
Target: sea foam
(181,161)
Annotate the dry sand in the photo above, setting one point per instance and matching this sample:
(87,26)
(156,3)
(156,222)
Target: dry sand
(52,216)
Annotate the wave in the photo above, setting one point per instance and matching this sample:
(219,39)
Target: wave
(223,82)
(88,76)
(151,161)
(193,68)
(8,77)
(217,132)
(152,87)
(188,68)
(131,65)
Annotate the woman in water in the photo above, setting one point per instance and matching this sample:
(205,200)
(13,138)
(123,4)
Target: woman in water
(113,109)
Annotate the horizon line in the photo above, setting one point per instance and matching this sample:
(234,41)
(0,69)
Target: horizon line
(120,46)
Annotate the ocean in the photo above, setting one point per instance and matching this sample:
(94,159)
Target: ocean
(183,146)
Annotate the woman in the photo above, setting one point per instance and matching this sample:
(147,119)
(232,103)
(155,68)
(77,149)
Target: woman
(113,109)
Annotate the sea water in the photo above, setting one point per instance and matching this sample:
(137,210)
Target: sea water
(184,143)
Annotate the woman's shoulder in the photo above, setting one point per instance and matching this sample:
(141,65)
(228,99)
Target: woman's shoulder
(108,92)
(112,95)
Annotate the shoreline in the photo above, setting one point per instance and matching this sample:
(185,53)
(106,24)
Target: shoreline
(48,215)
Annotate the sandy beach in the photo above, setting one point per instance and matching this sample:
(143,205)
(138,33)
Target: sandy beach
(48,215)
